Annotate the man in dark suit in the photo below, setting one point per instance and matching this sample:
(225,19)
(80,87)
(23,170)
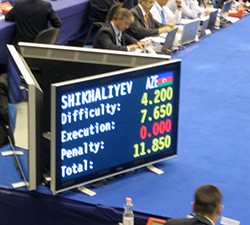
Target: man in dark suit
(111,35)
(129,4)
(98,9)
(206,206)
(31,17)
(144,24)
(5,130)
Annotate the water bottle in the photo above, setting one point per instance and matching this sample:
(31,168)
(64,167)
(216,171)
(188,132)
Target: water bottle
(217,22)
(128,215)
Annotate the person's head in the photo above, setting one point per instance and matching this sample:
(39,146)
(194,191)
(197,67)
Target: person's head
(147,4)
(123,18)
(162,2)
(208,201)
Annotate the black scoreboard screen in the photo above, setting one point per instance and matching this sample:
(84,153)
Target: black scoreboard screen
(112,123)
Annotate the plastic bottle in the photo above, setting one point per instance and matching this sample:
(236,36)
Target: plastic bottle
(128,214)
(217,22)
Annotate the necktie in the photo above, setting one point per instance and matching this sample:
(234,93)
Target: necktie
(146,20)
(163,18)
(118,38)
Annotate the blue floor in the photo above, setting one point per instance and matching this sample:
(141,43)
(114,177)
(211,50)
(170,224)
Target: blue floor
(214,133)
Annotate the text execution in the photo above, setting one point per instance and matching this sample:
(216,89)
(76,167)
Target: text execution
(87,131)
(89,113)
(98,94)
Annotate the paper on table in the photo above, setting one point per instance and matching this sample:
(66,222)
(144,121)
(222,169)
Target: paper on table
(228,221)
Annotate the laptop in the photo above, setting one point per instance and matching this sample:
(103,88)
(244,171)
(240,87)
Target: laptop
(212,19)
(224,13)
(203,26)
(166,46)
(225,8)
(189,31)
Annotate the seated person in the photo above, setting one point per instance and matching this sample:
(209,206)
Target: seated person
(31,17)
(5,130)
(207,207)
(112,36)
(163,14)
(98,10)
(144,24)
(190,9)
(200,11)
(129,3)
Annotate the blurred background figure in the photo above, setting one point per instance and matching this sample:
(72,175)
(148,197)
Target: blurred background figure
(163,14)
(31,17)
(5,126)
(129,4)
(145,25)
(98,9)
(207,207)
(190,9)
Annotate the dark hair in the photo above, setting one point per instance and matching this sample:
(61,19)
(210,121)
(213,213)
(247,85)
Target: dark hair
(207,199)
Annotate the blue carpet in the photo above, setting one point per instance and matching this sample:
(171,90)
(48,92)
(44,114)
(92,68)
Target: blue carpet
(214,134)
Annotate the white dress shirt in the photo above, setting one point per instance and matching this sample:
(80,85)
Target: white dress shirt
(118,34)
(169,15)
(187,13)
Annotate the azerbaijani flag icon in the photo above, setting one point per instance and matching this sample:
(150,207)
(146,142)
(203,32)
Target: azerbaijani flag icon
(165,79)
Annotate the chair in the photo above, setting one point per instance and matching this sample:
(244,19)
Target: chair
(47,36)
(99,24)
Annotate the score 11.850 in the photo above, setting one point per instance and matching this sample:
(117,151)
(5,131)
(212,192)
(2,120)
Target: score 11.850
(159,143)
